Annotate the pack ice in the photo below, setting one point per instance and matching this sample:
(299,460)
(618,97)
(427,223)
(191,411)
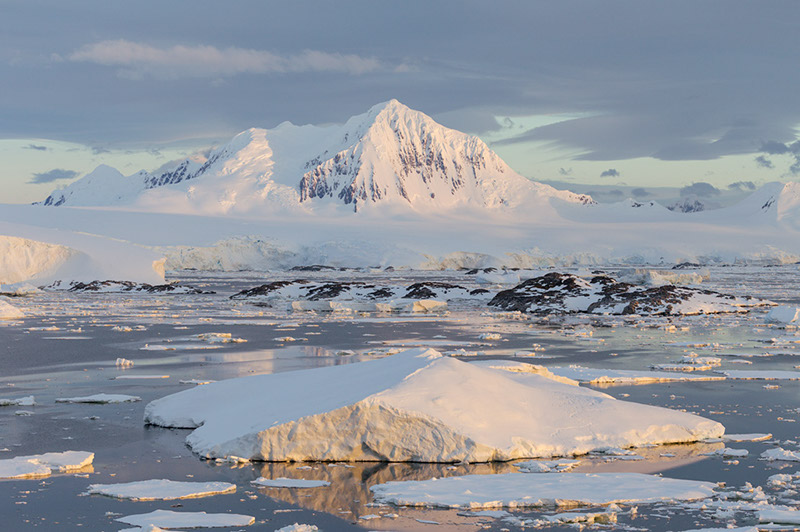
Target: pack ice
(416,405)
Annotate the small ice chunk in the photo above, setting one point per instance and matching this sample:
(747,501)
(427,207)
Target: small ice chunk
(160,490)
(124,363)
(297,527)
(489,336)
(100,398)
(22,401)
(169,519)
(283,482)
(727,452)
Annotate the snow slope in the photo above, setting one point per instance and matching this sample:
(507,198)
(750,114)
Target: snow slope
(390,155)
(413,406)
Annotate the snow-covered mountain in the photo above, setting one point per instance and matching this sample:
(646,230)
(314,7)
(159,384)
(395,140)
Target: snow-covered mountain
(391,155)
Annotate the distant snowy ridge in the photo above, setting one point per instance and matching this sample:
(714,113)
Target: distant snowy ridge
(389,155)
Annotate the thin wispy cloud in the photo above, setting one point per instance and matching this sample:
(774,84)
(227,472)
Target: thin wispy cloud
(137,60)
(56,174)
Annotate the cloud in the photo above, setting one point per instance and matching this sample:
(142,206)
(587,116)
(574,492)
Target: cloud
(779,148)
(764,162)
(701,189)
(35,147)
(742,185)
(99,150)
(138,60)
(565,171)
(56,174)
(611,172)
(640,193)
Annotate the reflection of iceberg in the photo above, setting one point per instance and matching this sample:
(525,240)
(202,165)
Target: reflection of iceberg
(414,406)
(350,484)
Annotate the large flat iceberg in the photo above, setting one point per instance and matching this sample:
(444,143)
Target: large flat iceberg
(416,405)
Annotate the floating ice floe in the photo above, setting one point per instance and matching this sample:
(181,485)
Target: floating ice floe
(783,517)
(100,398)
(516,490)
(22,401)
(754,436)
(9,311)
(43,465)
(413,406)
(170,520)
(782,315)
(779,454)
(283,482)
(123,363)
(558,293)
(160,490)
(546,466)
(298,527)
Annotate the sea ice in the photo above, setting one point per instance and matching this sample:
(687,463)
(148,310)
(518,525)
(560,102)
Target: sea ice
(169,519)
(43,465)
(283,482)
(783,314)
(100,398)
(160,490)
(298,527)
(781,454)
(516,490)
(413,406)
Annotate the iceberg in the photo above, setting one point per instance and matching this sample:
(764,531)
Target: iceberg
(414,406)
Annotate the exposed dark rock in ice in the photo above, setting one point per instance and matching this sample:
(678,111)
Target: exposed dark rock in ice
(109,286)
(343,291)
(557,293)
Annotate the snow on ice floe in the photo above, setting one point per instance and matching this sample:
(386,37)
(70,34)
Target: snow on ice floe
(9,311)
(100,398)
(558,293)
(517,490)
(21,401)
(413,406)
(160,490)
(283,482)
(169,519)
(43,465)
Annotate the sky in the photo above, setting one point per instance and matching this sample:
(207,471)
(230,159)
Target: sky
(619,96)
